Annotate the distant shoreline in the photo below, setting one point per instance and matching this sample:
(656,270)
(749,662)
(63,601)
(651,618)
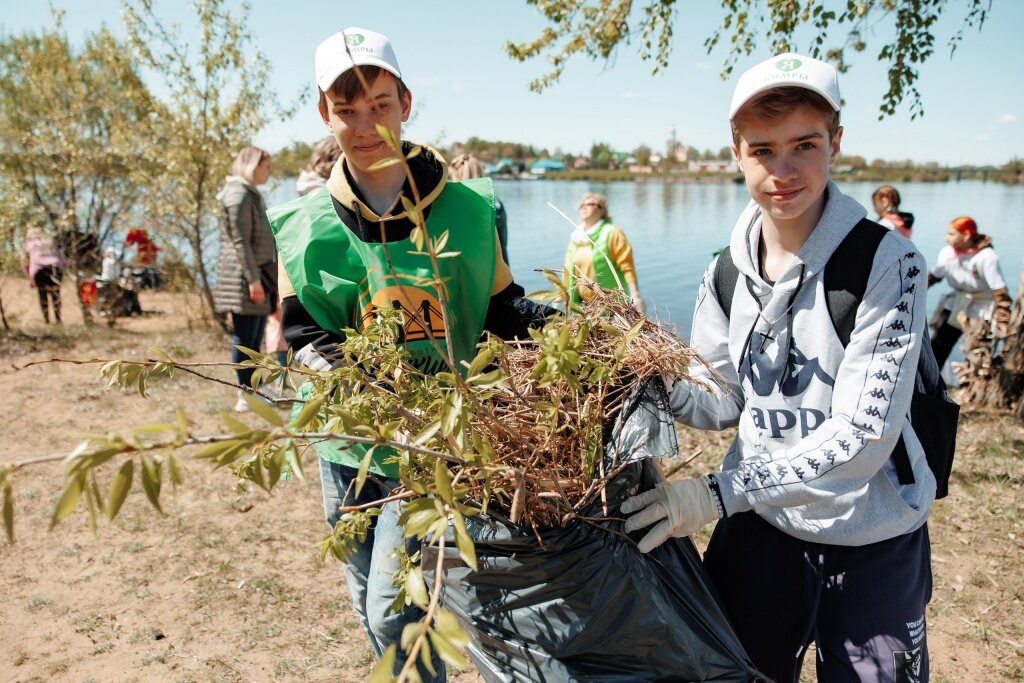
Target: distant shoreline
(886,176)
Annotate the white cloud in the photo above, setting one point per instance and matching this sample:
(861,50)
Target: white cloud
(702,66)
(1008,119)
(460,86)
(983,137)
(630,95)
(427,82)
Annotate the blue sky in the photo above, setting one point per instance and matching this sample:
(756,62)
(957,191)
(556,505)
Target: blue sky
(463,84)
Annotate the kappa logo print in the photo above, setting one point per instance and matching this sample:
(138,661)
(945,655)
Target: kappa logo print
(788,64)
(907,665)
(799,372)
(355,39)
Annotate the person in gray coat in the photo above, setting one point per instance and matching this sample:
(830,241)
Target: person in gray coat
(247,265)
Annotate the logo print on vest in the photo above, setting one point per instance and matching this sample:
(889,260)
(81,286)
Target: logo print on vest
(355,39)
(788,64)
(421,312)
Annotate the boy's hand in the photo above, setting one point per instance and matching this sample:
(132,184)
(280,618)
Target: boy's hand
(638,301)
(256,293)
(678,507)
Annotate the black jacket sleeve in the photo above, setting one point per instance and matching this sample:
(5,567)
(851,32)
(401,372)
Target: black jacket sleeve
(306,338)
(510,314)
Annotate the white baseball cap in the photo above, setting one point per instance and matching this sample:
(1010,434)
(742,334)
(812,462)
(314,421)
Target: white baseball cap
(787,70)
(353,47)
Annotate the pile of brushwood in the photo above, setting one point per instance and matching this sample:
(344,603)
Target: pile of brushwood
(519,432)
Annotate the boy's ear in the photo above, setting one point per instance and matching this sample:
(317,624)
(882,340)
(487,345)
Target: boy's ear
(406,105)
(322,108)
(736,154)
(834,152)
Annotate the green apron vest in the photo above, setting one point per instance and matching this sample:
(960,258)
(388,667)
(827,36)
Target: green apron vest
(340,280)
(605,269)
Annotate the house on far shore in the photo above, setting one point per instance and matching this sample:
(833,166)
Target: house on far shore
(712,166)
(503,167)
(542,166)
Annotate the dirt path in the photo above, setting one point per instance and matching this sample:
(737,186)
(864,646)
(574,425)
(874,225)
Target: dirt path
(228,586)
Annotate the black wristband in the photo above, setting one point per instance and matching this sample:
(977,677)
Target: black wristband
(716,494)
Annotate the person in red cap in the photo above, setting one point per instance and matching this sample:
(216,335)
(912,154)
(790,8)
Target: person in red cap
(970,266)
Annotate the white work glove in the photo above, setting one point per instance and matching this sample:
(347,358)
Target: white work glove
(678,507)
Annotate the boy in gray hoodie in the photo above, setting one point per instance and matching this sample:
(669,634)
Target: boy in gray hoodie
(816,538)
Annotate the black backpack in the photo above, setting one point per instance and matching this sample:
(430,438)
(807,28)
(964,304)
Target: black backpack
(932,412)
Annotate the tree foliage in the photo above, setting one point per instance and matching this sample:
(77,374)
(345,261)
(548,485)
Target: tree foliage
(602,155)
(493,150)
(642,154)
(70,122)
(289,161)
(214,99)
(595,29)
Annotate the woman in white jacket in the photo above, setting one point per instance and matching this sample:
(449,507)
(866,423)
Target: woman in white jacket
(970,266)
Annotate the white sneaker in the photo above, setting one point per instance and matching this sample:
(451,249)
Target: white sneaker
(241,405)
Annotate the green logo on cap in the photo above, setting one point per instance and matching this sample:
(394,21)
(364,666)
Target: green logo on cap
(788,64)
(358,38)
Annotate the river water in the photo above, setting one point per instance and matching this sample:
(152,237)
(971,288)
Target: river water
(675,227)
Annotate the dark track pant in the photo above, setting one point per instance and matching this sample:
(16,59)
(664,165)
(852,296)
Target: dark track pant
(863,607)
(943,342)
(47,280)
(247,331)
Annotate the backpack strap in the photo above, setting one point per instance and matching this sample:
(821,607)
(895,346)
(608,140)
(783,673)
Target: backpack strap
(846,280)
(726,275)
(844,285)
(846,275)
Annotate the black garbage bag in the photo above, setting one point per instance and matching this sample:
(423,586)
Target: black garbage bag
(582,603)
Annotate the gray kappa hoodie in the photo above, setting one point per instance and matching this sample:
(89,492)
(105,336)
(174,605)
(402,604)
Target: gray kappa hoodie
(817,422)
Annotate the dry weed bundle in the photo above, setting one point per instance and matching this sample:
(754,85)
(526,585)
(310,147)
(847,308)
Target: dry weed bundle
(565,389)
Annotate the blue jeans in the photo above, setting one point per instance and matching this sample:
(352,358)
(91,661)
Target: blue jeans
(371,567)
(247,331)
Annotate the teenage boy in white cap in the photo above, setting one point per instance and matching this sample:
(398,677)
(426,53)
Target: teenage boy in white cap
(816,540)
(336,267)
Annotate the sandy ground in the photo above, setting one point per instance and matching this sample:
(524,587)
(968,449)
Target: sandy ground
(228,585)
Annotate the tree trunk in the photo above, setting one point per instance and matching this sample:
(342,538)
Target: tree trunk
(76,283)
(3,314)
(72,267)
(204,284)
(992,374)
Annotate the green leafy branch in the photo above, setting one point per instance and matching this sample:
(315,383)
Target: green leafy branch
(595,29)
